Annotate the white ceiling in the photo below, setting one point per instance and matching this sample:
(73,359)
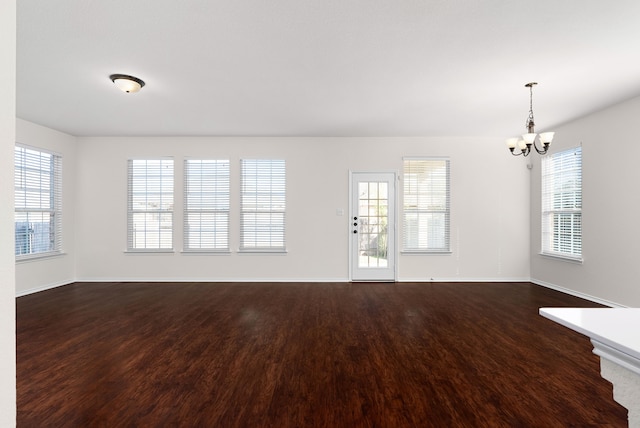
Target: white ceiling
(323,67)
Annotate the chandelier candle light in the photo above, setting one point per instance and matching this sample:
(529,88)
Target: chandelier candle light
(529,139)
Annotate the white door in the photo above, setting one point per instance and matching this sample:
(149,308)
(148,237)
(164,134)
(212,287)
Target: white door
(372,226)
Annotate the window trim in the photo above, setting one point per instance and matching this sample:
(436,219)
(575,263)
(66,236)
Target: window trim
(545,252)
(243,210)
(56,194)
(130,211)
(562,258)
(446,250)
(186,211)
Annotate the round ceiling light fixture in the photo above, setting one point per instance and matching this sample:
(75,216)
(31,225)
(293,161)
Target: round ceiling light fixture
(126,83)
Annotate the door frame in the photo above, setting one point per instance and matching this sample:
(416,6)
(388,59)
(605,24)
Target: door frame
(393,227)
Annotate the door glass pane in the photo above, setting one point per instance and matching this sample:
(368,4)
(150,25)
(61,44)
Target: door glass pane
(373,221)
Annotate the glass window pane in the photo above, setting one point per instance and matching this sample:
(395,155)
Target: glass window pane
(263,204)
(37,201)
(425,200)
(562,203)
(150,219)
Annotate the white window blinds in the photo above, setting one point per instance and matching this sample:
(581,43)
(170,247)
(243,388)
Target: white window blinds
(206,206)
(426,205)
(562,204)
(150,205)
(262,205)
(38,202)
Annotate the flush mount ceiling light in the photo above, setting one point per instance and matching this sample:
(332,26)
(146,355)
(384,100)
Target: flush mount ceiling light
(529,139)
(126,83)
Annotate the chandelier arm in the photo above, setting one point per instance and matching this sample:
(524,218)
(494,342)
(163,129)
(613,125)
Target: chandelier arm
(524,153)
(544,148)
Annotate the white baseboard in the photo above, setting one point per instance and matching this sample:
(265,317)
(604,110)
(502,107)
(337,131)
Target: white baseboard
(241,280)
(577,294)
(43,288)
(464,280)
(213,280)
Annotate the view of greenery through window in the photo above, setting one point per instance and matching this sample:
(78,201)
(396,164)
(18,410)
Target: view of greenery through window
(373,206)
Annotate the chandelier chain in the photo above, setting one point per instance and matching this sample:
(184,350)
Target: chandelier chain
(530,122)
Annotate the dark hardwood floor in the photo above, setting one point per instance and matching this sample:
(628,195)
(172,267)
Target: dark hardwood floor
(305,355)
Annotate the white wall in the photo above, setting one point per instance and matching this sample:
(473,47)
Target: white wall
(38,274)
(7,258)
(610,213)
(490,211)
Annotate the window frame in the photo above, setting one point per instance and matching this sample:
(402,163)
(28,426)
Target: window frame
(276,194)
(410,190)
(219,191)
(54,195)
(568,169)
(160,211)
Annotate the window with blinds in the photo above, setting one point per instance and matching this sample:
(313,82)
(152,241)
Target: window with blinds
(426,213)
(562,204)
(38,202)
(206,205)
(262,205)
(150,205)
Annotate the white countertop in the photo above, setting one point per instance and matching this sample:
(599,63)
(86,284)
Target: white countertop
(617,328)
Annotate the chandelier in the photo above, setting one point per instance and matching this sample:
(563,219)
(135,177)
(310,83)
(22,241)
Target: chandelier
(527,140)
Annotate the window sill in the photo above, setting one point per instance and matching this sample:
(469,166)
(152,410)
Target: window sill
(426,253)
(575,260)
(205,252)
(148,252)
(264,252)
(38,257)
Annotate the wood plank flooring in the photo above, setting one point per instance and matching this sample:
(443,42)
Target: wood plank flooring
(305,355)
